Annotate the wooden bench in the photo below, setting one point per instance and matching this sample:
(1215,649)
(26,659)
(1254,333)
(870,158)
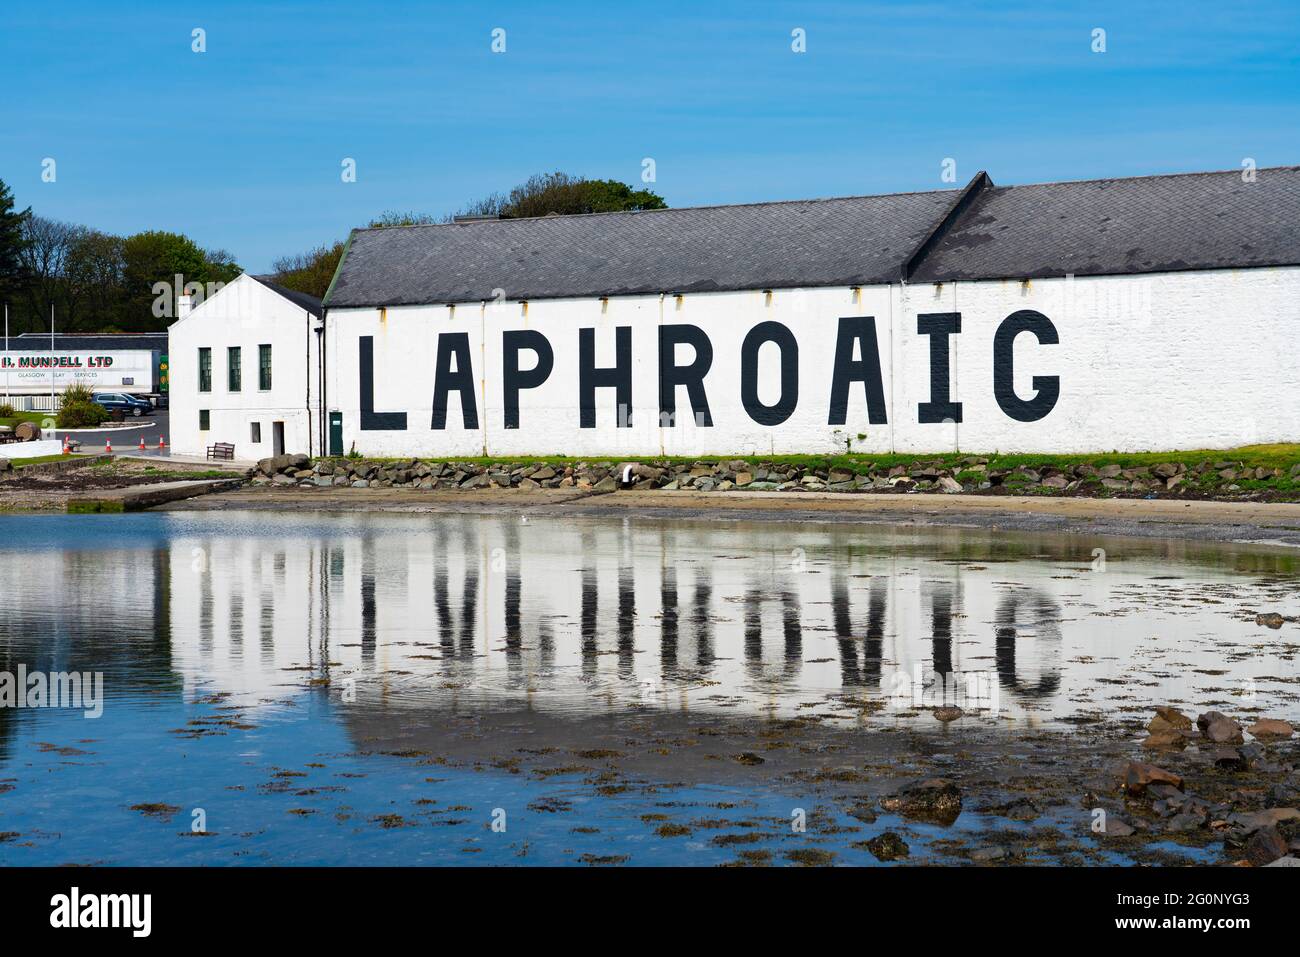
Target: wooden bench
(222,450)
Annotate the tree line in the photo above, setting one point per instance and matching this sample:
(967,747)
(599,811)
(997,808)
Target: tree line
(92,280)
(100,282)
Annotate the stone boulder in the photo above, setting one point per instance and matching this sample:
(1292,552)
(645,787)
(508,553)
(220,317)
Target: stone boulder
(1271,728)
(1266,846)
(1166,739)
(1138,777)
(1167,718)
(933,799)
(888,847)
(289,462)
(1219,728)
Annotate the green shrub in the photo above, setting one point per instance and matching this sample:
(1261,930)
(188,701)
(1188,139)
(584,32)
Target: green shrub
(79,409)
(77,394)
(81,415)
(6,411)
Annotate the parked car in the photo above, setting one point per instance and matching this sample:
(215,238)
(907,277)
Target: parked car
(121,402)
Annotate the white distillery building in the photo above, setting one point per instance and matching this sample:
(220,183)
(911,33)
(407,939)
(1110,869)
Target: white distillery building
(244,371)
(1131,314)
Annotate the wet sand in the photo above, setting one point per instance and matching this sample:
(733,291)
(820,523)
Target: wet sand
(1028,797)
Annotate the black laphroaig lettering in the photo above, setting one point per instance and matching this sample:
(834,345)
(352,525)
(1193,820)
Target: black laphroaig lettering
(784,406)
(939,326)
(619,377)
(847,370)
(454,345)
(512,378)
(691,376)
(1048,387)
(372,421)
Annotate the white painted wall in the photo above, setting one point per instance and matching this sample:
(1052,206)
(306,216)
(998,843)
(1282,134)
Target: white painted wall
(246,314)
(1166,361)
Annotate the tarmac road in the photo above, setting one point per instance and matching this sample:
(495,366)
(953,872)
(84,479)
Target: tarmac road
(155,425)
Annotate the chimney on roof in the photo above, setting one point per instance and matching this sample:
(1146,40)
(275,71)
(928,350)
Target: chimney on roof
(184,303)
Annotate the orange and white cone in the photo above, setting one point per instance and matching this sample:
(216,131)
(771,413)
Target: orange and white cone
(67,448)
(162,443)
(108,445)
(142,443)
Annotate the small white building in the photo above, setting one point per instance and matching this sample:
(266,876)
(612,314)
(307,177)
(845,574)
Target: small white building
(244,368)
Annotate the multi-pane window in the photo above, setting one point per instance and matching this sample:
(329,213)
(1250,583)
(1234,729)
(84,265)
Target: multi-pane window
(264,367)
(205,369)
(236,371)
(204,422)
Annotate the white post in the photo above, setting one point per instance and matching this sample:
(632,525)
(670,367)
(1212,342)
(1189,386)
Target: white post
(6,352)
(51,358)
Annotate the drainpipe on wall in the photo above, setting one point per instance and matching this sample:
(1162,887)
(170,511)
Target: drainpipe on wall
(324,372)
(307,379)
(320,388)
(662,446)
(482,353)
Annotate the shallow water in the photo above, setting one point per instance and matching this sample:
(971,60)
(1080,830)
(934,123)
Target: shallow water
(274,670)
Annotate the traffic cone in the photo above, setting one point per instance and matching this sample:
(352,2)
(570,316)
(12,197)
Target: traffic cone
(162,443)
(142,442)
(67,448)
(108,445)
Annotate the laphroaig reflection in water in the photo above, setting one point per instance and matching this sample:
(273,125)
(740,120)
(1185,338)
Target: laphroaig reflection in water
(767,619)
(590,615)
(239,645)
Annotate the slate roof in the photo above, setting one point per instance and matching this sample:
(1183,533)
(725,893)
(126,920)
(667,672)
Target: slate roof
(1096,227)
(1123,226)
(300,299)
(72,342)
(822,242)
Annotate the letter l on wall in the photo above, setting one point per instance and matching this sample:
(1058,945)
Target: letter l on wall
(372,421)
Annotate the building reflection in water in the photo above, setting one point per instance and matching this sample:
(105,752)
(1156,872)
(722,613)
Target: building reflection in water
(588,614)
(583,613)
(91,608)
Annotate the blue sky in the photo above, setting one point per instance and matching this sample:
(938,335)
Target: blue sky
(240,147)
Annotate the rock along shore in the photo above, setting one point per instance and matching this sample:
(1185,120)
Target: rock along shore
(1217,479)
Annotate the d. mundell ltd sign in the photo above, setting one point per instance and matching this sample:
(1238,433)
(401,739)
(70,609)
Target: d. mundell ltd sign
(129,371)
